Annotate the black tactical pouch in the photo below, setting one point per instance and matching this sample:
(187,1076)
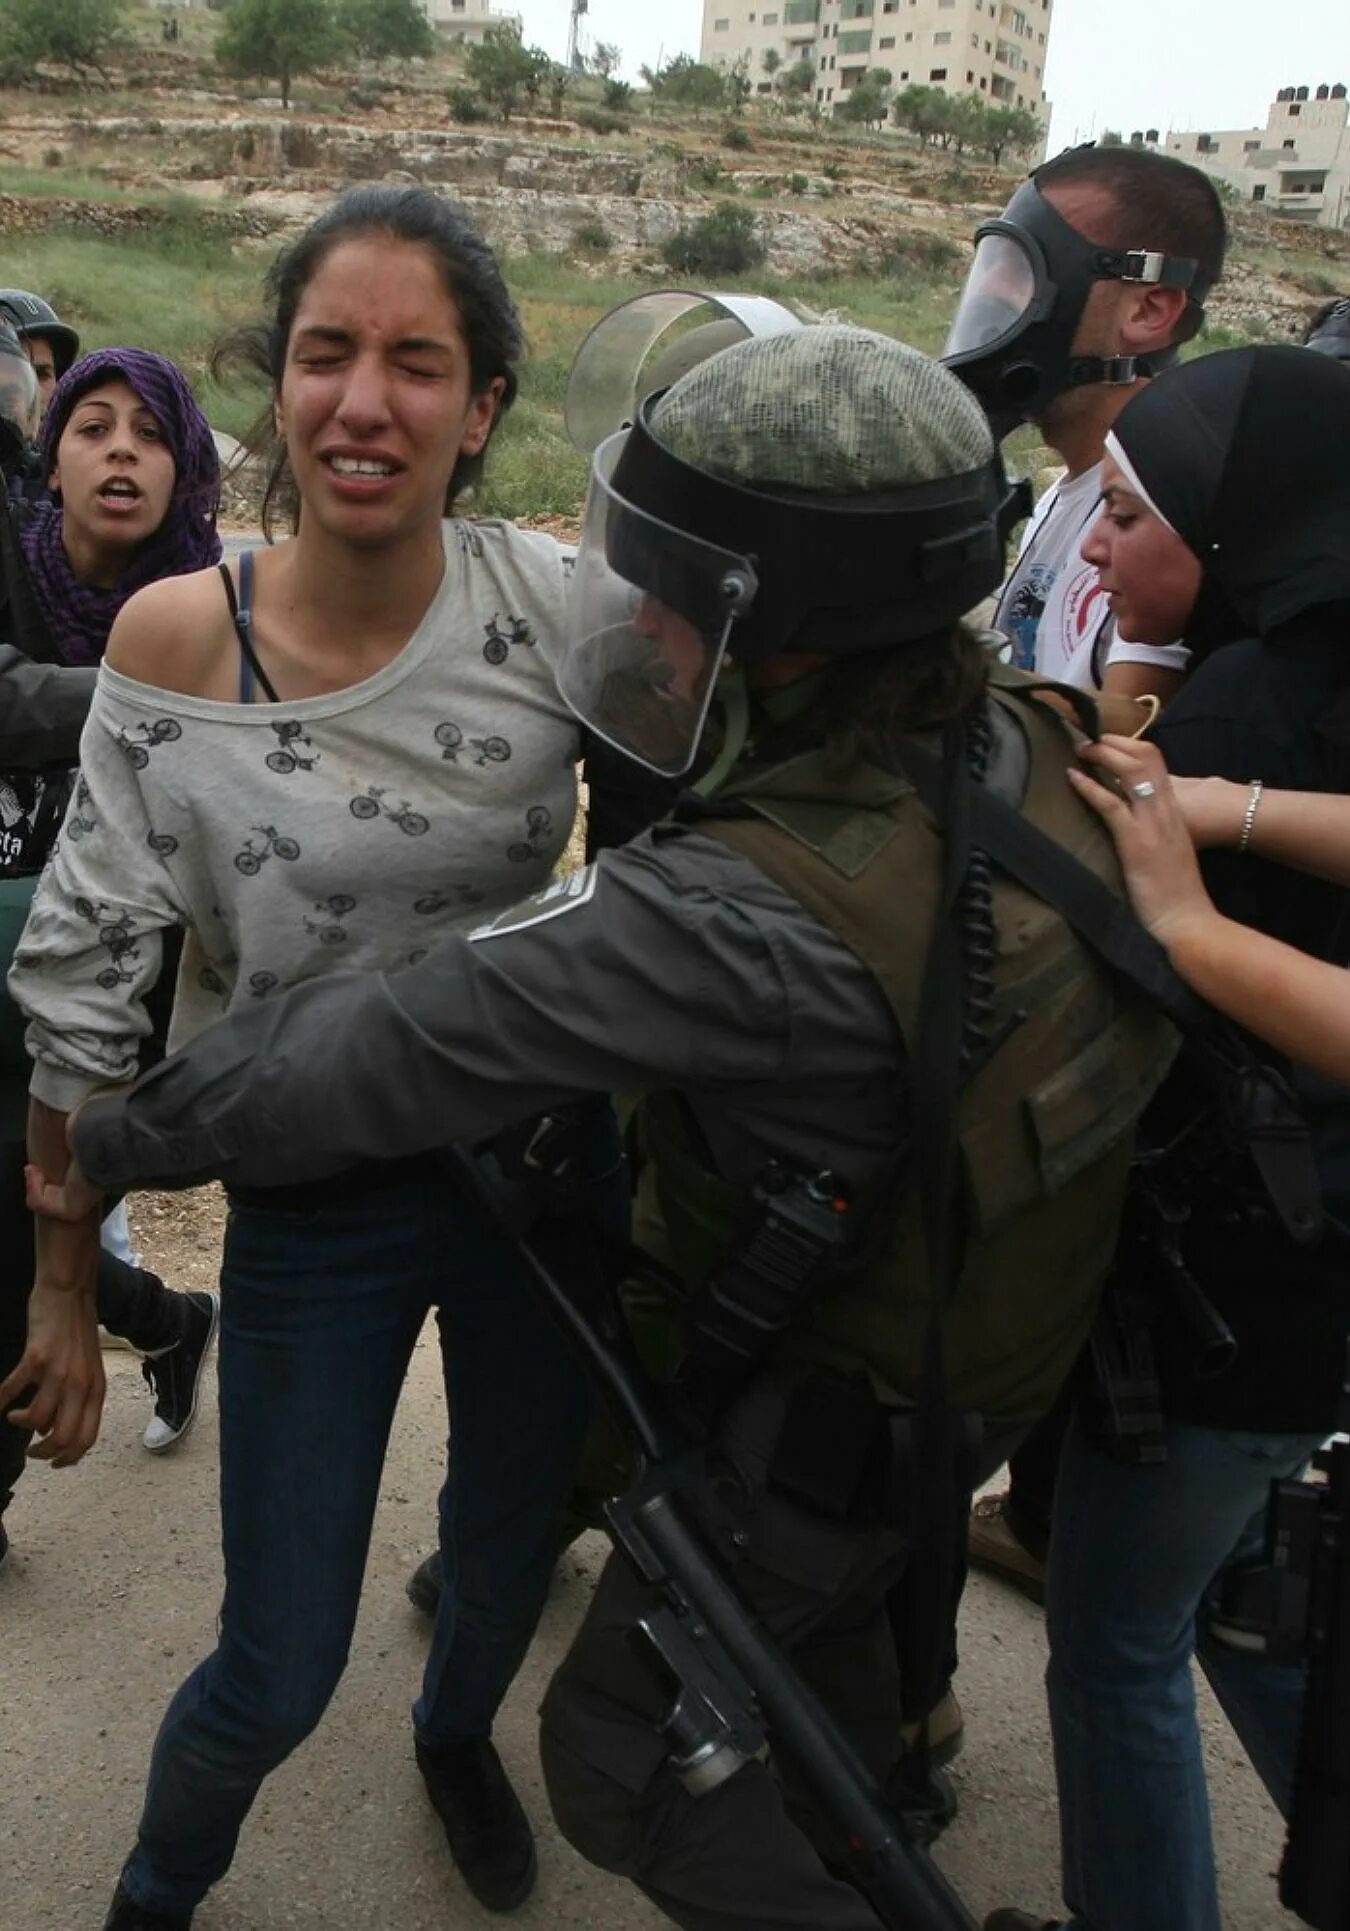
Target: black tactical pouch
(844,1454)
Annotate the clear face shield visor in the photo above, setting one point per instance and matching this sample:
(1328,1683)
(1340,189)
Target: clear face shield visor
(20,396)
(650,613)
(648,343)
(1004,291)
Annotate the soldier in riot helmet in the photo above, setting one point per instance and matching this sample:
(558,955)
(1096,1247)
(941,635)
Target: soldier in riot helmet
(787,538)
(50,344)
(28,689)
(20,402)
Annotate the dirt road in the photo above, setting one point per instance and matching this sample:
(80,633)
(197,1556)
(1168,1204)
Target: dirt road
(110,1596)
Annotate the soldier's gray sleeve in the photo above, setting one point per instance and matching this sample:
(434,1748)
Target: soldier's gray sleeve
(673,962)
(42,709)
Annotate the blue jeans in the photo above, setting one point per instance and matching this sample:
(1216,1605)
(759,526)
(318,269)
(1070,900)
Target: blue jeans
(321,1306)
(1133,1554)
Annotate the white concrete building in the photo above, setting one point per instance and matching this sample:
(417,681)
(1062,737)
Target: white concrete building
(996,48)
(1298,164)
(468,19)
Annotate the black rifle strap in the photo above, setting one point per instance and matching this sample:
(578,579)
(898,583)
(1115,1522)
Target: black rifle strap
(1099,917)
(942,1473)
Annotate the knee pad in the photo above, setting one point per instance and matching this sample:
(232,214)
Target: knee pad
(594,1811)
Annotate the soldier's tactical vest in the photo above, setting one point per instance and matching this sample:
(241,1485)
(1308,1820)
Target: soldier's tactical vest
(1045,1123)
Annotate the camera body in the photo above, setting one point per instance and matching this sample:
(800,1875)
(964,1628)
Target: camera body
(1268,1605)
(1294,1605)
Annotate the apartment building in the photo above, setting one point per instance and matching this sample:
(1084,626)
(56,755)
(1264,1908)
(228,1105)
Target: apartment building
(992,47)
(468,19)
(1298,163)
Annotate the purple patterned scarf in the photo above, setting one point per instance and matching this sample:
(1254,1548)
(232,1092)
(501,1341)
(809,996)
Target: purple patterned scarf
(79,615)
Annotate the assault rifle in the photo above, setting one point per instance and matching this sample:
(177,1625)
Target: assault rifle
(733,1691)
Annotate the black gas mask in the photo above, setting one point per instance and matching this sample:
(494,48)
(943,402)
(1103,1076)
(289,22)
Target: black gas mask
(1011,341)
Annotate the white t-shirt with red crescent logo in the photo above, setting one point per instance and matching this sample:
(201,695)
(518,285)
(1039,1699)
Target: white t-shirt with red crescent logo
(1053,610)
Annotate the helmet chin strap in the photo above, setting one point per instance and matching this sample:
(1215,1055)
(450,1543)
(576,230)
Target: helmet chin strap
(732,701)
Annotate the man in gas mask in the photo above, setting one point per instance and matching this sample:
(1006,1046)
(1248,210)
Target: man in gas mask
(1085,286)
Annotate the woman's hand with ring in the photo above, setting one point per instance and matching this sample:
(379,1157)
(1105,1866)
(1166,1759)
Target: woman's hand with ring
(1149,824)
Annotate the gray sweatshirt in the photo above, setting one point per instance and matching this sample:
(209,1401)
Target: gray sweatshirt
(346,830)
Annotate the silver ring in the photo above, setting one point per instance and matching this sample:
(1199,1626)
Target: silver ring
(1144,789)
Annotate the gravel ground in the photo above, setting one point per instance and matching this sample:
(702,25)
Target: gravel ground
(110,1597)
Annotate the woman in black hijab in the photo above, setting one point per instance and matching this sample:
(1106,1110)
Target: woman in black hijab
(1242,457)
(1225,520)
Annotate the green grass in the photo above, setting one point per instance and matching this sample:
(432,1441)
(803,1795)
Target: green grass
(69,184)
(171,292)
(178,292)
(533,469)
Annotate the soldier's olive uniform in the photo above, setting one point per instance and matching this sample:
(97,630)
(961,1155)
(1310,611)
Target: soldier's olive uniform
(756,973)
(765,969)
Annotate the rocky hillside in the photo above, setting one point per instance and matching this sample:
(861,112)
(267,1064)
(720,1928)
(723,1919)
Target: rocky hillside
(822,205)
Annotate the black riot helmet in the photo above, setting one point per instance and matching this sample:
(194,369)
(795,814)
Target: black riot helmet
(825,491)
(1330,332)
(30,315)
(1012,336)
(20,404)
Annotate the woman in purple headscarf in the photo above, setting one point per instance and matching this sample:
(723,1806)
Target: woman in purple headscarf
(134,479)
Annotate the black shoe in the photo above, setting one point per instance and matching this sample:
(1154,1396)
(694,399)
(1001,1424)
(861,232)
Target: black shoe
(426,1584)
(126,1916)
(175,1377)
(4,1543)
(928,1803)
(488,1833)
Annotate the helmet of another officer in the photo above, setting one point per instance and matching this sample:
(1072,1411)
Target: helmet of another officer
(20,398)
(30,315)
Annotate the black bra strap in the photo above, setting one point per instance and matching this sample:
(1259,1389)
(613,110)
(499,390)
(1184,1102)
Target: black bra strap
(241,616)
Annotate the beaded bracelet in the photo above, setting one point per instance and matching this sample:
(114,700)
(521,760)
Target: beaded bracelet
(1249,815)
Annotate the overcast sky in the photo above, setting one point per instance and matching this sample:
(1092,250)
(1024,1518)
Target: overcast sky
(1125,64)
